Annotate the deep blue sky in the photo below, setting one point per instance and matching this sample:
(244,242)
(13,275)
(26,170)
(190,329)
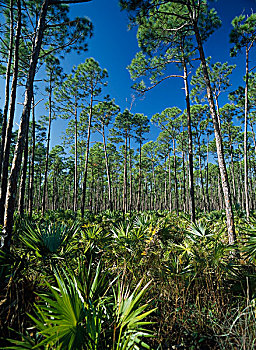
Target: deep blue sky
(113,46)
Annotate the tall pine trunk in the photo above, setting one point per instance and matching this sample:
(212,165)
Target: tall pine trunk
(219,145)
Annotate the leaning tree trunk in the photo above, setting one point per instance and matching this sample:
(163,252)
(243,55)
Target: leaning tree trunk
(8,132)
(219,145)
(16,164)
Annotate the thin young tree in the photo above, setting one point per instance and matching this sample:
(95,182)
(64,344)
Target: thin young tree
(103,112)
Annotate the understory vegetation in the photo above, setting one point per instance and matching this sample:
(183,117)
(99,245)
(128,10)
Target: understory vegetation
(111,281)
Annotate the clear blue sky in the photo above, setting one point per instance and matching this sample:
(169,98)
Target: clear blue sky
(113,46)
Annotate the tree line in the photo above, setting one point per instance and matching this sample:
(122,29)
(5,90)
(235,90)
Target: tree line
(203,158)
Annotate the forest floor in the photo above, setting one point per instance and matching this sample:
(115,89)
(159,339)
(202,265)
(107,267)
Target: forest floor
(150,280)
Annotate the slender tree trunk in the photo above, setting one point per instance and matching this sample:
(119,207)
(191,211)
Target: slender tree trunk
(232,171)
(23,177)
(53,189)
(87,155)
(153,184)
(207,177)
(165,184)
(241,187)
(190,147)
(218,111)
(16,164)
(219,193)
(201,173)
(125,177)
(146,194)
(40,183)
(251,199)
(139,185)
(7,83)
(130,166)
(47,146)
(219,145)
(8,132)
(246,187)
(107,170)
(32,163)
(76,158)
(175,179)
(253,136)
(170,182)
(184,181)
